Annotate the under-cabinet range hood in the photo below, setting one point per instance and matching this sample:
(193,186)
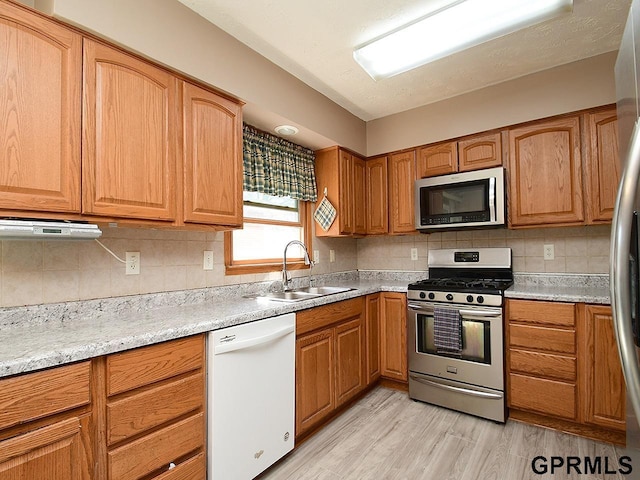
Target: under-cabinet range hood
(17,229)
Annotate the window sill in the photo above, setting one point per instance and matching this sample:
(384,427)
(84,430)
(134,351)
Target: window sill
(263,268)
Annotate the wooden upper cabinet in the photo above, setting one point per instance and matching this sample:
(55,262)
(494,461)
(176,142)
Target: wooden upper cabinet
(545,168)
(377,209)
(402,177)
(603,167)
(129,136)
(480,151)
(212,157)
(359,196)
(342,174)
(438,159)
(40,82)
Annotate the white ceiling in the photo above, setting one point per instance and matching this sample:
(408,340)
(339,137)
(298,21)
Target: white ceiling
(315,40)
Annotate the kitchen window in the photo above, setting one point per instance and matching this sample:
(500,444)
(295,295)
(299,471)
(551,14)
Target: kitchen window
(270,222)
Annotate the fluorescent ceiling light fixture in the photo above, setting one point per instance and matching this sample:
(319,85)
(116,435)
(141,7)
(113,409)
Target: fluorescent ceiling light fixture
(460,25)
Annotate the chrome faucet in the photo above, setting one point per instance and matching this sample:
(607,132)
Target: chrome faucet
(286,276)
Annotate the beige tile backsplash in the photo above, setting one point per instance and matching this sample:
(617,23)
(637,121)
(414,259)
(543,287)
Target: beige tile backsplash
(33,272)
(576,249)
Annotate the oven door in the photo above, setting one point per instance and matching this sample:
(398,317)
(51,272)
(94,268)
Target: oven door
(481,360)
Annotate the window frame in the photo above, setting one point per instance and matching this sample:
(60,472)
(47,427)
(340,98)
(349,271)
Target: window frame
(266,265)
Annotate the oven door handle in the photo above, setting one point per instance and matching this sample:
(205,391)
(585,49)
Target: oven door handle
(465,391)
(420,308)
(480,313)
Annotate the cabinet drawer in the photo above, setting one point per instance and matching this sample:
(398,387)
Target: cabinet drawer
(543,313)
(155,451)
(135,414)
(192,469)
(319,317)
(36,395)
(543,364)
(146,365)
(543,338)
(544,396)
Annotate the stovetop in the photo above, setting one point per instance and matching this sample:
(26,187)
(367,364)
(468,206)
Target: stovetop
(466,285)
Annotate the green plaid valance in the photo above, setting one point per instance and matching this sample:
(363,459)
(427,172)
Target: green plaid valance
(277,167)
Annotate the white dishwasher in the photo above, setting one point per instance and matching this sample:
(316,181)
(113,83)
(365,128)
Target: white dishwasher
(251,396)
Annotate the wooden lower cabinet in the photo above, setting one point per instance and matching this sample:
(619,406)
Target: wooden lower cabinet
(372,335)
(563,368)
(330,360)
(45,429)
(393,336)
(604,391)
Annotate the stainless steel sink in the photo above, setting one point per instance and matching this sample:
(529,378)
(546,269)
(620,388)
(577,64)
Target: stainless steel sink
(322,290)
(299,294)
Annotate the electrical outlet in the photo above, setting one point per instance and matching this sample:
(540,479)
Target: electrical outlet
(332,256)
(132,263)
(549,252)
(316,256)
(414,254)
(207,261)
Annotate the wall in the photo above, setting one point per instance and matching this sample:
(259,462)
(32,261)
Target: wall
(34,272)
(170,33)
(577,249)
(575,86)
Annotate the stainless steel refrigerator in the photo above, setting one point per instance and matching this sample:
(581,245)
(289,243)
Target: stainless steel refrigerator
(624,230)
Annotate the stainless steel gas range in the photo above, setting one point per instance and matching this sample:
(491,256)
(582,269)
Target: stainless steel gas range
(455,331)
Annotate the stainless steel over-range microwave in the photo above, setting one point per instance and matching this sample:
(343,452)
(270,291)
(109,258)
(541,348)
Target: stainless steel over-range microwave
(460,200)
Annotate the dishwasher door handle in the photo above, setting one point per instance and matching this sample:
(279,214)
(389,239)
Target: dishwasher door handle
(252,342)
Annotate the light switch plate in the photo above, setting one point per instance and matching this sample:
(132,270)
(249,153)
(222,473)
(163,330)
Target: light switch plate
(414,254)
(207,261)
(316,256)
(332,256)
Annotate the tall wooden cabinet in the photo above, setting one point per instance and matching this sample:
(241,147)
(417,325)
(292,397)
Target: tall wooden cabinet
(40,97)
(402,177)
(603,392)
(393,336)
(342,174)
(212,158)
(377,209)
(373,311)
(45,425)
(603,169)
(545,173)
(129,136)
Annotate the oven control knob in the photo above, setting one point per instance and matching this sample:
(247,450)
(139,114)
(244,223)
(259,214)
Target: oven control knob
(422,295)
(449,297)
(432,295)
(469,298)
(480,299)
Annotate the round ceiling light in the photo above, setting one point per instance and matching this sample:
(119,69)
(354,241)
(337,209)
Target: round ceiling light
(286,130)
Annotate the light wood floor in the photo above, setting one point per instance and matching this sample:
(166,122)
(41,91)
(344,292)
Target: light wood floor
(387,436)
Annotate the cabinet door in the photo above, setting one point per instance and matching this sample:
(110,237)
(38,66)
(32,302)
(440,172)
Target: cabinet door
(402,177)
(372,335)
(359,192)
(603,166)
(212,162)
(480,151)
(376,196)
(40,82)
(129,126)
(346,192)
(393,326)
(54,452)
(546,173)
(437,159)
(315,394)
(350,359)
(604,393)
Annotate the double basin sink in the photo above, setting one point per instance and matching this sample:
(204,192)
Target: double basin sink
(300,294)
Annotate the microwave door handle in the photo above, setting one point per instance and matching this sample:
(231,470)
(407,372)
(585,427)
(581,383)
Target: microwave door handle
(621,231)
(492,198)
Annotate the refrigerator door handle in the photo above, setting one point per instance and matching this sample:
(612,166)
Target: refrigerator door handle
(621,230)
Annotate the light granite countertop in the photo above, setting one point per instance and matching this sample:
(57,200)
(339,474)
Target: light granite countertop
(42,336)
